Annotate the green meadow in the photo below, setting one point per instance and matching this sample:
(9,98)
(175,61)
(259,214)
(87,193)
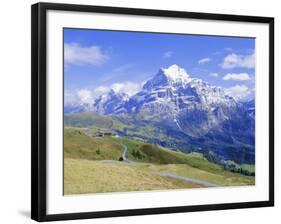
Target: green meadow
(95,165)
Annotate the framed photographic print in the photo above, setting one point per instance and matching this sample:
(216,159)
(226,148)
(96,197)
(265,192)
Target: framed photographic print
(139,111)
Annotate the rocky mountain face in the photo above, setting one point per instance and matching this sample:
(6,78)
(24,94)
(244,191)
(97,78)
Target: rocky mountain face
(184,102)
(250,105)
(190,111)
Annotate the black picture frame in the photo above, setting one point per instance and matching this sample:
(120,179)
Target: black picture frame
(39,122)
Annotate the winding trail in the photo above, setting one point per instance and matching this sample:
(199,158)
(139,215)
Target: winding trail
(124,151)
(124,154)
(188,179)
(164,174)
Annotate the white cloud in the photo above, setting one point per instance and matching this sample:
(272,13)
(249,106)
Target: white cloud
(238,92)
(168,54)
(214,74)
(85,96)
(238,61)
(129,88)
(237,76)
(70,97)
(204,61)
(76,54)
(117,87)
(101,90)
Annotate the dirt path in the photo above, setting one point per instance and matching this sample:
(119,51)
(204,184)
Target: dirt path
(188,179)
(124,152)
(165,174)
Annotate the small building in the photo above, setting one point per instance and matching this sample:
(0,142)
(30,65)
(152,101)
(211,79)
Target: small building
(104,133)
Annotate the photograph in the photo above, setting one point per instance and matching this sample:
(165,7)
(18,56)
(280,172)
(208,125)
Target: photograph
(148,111)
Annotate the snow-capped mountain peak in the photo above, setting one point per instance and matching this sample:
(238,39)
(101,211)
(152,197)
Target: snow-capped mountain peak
(172,76)
(170,93)
(176,74)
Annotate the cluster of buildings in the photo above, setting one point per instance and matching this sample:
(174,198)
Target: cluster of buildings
(104,133)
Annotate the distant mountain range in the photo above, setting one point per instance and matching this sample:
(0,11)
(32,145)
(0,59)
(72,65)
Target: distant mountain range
(188,113)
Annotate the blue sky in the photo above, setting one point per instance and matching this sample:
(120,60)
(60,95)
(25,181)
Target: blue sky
(96,59)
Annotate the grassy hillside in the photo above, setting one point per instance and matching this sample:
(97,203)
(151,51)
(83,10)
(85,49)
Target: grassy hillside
(153,130)
(85,176)
(151,153)
(87,159)
(87,119)
(221,178)
(80,146)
